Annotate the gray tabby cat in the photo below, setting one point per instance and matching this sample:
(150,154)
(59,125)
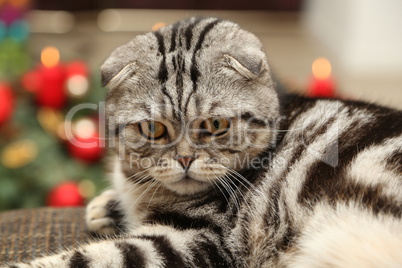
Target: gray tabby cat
(214,166)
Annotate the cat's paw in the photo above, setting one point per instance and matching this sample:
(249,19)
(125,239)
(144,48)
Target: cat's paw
(103,216)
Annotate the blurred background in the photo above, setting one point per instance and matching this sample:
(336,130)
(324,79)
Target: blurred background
(50,52)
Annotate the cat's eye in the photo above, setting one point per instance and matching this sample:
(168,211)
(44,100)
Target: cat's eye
(216,125)
(152,130)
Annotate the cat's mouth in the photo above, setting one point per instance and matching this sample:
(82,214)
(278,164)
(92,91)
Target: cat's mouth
(187,180)
(188,185)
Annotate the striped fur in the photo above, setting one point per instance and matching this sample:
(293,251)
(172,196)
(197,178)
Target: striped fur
(324,190)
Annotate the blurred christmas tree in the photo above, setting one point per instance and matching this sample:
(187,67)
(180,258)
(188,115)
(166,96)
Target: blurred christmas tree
(39,163)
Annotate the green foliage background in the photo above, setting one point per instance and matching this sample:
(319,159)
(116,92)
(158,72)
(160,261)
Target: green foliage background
(28,186)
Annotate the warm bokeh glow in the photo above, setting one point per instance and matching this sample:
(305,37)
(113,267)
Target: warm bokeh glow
(84,128)
(19,153)
(19,3)
(87,188)
(158,25)
(77,85)
(321,68)
(50,56)
(50,119)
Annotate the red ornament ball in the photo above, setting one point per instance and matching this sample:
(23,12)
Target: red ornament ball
(76,68)
(66,194)
(6,102)
(86,148)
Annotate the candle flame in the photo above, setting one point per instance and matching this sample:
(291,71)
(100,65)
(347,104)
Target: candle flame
(50,56)
(321,68)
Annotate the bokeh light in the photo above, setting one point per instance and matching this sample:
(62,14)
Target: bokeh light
(50,56)
(321,68)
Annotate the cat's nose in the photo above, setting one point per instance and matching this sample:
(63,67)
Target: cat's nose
(185,161)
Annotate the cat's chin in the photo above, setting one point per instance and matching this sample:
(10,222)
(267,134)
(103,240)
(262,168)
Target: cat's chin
(188,186)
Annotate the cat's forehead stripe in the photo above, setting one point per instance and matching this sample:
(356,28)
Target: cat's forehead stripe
(189,33)
(195,73)
(173,37)
(163,72)
(177,64)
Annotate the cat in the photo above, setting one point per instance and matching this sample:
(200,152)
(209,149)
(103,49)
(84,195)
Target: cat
(214,165)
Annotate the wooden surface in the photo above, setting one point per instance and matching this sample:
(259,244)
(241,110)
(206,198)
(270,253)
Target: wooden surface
(31,233)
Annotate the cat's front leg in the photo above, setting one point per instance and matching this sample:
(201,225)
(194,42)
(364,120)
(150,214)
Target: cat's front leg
(150,246)
(103,215)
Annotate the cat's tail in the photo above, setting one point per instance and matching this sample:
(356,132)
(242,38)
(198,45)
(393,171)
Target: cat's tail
(349,237)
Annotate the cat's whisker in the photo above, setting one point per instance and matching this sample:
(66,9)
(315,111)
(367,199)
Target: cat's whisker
(229,188)
(217,185)
(237,174)
(143,178)
(157,188)
(138,174)
(232,176)
(240,178)
(149,187)
(241,193)
(231,191)
(137,185)
(133,188)
(223,193)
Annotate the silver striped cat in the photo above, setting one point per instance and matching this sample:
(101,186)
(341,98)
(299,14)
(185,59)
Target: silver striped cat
(213,165)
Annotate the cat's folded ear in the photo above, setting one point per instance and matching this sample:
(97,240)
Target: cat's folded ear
(248,66)
(120,65)
(113,77)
